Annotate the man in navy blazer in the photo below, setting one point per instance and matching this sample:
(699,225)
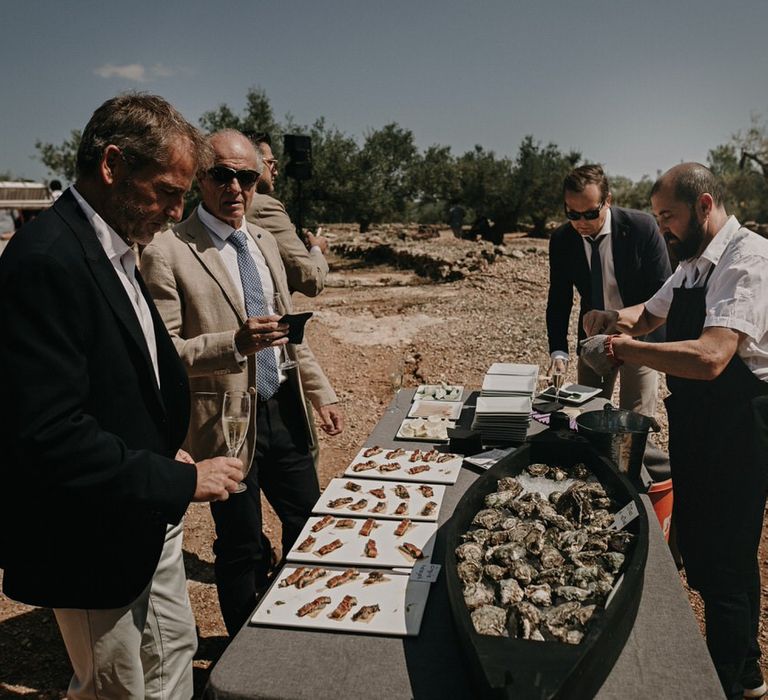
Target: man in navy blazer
(95,405)
(630,263)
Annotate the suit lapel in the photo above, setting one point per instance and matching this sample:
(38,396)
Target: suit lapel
(106,277)
(199,240)
(272,258)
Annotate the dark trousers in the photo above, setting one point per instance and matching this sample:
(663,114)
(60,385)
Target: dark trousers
(284,470)
(732,621)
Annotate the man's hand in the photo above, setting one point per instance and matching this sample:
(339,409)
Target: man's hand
(217,478)
(600,322)
(557,366)
(331,418)
(259,332)
(318,240)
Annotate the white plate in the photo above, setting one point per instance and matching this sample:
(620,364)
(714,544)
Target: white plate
(416,501)
(401,604)
(579,394)
(440,392)
(433,429)
(351,552)
(508,385)
(438,473)
(512,368)
(423,408)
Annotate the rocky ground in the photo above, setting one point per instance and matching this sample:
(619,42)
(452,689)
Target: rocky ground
(370,315)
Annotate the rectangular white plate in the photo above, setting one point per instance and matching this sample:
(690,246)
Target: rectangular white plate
(573,394)
(352,553)
(402,604)
(445,473)
(416,502)
(506,384)
(512,368)
(439,392)
(422,408)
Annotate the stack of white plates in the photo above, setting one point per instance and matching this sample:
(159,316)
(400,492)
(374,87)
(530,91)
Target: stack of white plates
(502,418)
(503,410)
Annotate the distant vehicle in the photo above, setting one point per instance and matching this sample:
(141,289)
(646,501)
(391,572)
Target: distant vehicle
(22,201)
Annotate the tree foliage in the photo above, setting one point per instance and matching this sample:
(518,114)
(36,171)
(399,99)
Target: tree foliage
(385,177)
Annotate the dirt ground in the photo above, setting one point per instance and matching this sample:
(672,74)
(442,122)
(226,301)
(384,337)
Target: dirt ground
(367,318)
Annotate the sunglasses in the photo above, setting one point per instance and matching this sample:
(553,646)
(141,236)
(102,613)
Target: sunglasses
(589,215)
(222,175)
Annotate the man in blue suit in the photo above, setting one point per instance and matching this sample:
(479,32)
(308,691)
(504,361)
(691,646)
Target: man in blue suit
(614,257)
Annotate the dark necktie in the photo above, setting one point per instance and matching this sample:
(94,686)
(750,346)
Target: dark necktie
(267,377)
(597,274)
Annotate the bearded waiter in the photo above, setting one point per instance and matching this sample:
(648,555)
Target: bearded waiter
(716,360)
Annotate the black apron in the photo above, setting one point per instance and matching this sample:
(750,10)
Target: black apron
(718,449)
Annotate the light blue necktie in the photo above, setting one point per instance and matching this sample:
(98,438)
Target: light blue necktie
(267,377)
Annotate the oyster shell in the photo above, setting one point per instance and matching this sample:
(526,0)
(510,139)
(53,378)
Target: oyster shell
(488,619)
(478,594)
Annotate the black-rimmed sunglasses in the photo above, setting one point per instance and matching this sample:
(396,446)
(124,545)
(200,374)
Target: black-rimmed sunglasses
(589,215)
(222,175)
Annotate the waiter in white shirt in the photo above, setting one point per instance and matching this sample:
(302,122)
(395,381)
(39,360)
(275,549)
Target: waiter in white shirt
(716,361)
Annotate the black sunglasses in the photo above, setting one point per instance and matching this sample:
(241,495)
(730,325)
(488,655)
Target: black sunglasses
(589,215)
(222,175)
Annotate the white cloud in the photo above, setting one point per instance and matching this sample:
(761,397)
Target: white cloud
(132,71)
(135,71)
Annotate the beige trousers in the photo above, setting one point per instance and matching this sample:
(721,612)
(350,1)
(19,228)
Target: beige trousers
(638,386)
(143,650)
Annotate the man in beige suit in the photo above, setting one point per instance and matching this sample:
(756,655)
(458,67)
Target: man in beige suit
(306,268)
(213,278)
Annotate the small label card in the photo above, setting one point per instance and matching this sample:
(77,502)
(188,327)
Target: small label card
(425,572)
(625,516)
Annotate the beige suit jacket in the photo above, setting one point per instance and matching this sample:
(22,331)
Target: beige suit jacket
(202,309)
(306,270)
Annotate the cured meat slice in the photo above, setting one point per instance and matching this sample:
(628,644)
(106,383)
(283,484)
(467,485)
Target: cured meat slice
(401,491)
(389,467)
(415,456)
(371,451)
(445,458)
(352,486)
(378,493)
(367,527)
(402,528)
(419,468)
(310,576)
(364,466)
(328,548)
(428,508)
(392,454)
(366,613)
(375,577)
(370,549)
(292,578)
(340,502)
(411,550)
(307,544)
(341,610)
(325,521)
(362,503)
(426,491)
(313,606)
(380,507)
(342,578)
(345,524)
(430,456)
(402,509)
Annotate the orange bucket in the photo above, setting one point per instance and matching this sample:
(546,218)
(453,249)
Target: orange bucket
(661,496)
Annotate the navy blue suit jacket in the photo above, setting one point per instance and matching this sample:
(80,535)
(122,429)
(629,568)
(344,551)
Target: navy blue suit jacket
(87,438)
(640,262)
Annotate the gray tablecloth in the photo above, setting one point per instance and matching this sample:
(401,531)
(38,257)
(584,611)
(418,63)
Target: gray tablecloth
(664,657)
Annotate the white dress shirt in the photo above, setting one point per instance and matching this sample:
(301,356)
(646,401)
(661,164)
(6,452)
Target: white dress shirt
(123,259)
(737,291)
(220,233)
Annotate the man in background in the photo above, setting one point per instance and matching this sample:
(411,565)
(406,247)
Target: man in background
(305,263)
(614,257)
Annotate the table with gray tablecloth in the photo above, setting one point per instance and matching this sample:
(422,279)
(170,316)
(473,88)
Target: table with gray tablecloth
(664,657)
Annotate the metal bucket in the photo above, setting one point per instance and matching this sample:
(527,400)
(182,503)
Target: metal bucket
(619,435)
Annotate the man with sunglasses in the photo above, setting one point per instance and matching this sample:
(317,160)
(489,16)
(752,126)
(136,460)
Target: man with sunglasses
(614,258)
(213,278)
(305,265)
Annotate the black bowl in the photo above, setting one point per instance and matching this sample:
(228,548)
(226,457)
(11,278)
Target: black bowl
(525,669)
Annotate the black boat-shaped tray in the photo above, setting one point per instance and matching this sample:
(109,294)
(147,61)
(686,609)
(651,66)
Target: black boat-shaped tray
(544,670)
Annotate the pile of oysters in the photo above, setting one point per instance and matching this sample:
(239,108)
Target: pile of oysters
(541,558)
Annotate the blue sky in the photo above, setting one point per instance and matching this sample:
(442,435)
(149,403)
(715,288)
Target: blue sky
(638,86)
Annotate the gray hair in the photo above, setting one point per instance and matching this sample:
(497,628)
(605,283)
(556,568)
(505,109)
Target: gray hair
(234,133)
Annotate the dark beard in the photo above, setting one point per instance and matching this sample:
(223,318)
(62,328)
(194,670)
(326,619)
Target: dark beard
(688,248)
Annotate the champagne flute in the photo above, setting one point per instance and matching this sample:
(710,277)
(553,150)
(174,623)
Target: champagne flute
(395,378)
(559,369)
(278,307)
(235,416)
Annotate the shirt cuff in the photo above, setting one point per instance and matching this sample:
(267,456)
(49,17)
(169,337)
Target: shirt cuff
(315,249)
(240,358)
(559,355)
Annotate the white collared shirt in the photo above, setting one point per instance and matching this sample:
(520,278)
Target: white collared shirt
(123,259)
(737,291)
(220,233)
(611,295)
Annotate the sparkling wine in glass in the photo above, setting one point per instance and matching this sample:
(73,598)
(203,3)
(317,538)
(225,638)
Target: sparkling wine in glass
(235,416)
(278,307)
(559,368)
(395,377)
